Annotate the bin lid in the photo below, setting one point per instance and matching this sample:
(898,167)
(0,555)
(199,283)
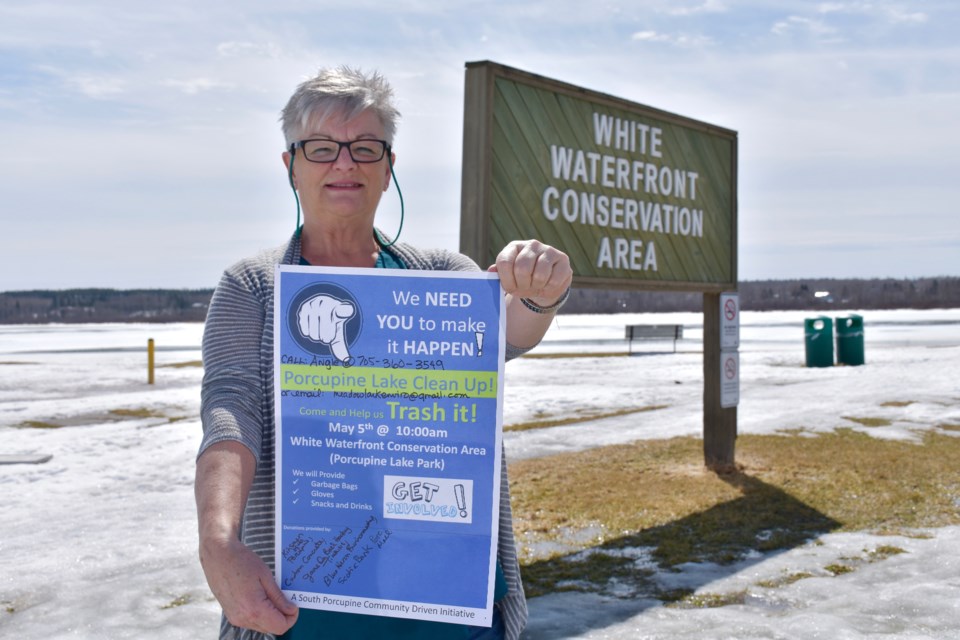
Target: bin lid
(852,321)
(820,323)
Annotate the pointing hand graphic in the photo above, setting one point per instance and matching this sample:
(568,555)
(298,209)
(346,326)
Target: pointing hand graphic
(322,319)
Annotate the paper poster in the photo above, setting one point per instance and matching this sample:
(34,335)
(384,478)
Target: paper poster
(388,440)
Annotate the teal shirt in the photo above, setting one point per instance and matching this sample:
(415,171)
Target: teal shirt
(313,624)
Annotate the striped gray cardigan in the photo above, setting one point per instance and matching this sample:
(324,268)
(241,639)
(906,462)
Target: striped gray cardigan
(237,402)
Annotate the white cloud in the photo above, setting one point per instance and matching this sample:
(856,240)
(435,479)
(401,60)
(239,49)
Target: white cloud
(829,7)
(650,36)
(194,86)
(249,49)
(97,87)
(892,13)
(680,40)
(898,16)
(709,6)
(90,85)
(799,23)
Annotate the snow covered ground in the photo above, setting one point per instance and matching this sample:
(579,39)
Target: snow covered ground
(100,542)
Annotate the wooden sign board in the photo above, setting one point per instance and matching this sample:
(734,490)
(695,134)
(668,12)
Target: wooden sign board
(639,198)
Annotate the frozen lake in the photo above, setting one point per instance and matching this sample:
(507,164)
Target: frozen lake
(100,542)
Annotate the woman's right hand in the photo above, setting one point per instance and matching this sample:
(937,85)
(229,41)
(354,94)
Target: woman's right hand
(240,580)
(244,586)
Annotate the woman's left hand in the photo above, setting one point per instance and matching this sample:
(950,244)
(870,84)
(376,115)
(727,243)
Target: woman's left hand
(534,270)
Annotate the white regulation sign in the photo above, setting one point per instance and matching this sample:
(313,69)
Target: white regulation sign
(729,379)
(729,321)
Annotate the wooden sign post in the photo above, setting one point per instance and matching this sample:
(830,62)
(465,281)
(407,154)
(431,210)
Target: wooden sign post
(639,198)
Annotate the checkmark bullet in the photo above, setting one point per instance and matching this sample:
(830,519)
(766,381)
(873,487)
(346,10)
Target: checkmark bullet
(296,501)
(296,491)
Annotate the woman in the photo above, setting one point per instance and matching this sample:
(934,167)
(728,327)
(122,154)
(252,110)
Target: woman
(339,127)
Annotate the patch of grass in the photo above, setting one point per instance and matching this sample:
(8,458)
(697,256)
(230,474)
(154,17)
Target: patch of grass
(838,569)
(786,491)
(883,552)
(559,422)
(179,601)
(141,412)
(709,600)
(869,422)
(795,431)
(38,424)
(904,533)
(592,572)
(946,426)
(897,403)
(669,596)
(785,580)
(182,365)
(112,415)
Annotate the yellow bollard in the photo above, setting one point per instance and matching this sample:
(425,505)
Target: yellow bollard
(150,361)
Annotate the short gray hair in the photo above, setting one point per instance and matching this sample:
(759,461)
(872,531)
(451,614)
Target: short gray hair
(341,91)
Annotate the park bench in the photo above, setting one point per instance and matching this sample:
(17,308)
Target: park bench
(654,332)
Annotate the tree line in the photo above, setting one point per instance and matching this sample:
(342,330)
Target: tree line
(810,294)
(182,305)
(104,305)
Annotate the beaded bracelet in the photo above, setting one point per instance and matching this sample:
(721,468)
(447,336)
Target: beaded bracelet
(533,306)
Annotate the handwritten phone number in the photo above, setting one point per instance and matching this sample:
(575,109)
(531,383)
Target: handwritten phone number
(399,363)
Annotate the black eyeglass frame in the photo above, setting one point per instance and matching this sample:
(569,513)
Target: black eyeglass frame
(340,145)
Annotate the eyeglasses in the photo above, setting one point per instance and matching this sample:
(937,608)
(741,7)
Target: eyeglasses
(323,150)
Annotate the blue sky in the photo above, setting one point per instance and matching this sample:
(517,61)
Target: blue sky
(139,143)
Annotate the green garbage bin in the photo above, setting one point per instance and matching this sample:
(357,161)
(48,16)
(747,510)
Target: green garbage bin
(850,340)
(819,341)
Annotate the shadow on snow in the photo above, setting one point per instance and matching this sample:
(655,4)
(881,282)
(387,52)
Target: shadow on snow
(641,570)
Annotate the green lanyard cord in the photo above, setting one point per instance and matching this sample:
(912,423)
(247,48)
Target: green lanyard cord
(380,240)
(399,193)
(296,196)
